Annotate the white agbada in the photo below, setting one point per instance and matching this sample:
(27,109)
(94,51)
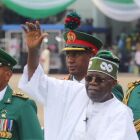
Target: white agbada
(45,60)
(66,106)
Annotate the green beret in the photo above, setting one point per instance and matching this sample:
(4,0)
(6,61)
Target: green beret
(6,59)
(105,62)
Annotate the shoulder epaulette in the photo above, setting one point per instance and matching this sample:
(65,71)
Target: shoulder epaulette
(20,95)
(137,125)
(131,86)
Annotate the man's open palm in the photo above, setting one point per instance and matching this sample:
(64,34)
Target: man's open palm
(33,34)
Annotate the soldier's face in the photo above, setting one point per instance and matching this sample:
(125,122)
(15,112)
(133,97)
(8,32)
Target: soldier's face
(77,62)
(5,75)
(99,86)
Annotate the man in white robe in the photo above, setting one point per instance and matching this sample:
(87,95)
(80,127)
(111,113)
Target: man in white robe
(92,114)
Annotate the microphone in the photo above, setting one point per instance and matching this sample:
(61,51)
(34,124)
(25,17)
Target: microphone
(86,120)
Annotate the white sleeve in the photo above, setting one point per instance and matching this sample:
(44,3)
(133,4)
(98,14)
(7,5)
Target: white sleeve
(121,128)
(40,85)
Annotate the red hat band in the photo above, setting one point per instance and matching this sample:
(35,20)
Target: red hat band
(83,43)
(72,39)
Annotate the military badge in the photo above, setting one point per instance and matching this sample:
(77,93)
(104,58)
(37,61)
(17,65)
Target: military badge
(19,94)
(6,128)
(3,113)
(71,36)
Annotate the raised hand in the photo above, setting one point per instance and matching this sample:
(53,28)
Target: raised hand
(33,34)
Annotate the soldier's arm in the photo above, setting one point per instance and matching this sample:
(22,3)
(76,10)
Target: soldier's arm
(34,39)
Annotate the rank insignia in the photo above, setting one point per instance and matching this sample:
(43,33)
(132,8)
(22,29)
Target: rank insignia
(19,94)
(8,100)
(3,113)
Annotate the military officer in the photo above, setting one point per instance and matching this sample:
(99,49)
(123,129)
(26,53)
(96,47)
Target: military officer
(132,99)
(79,48)
(18,114)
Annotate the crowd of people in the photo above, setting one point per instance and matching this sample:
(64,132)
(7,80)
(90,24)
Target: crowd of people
(89,104)
(127,48)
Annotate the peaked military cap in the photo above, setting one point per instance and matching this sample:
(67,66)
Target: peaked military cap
(105,62)
(76,40)
(6,59)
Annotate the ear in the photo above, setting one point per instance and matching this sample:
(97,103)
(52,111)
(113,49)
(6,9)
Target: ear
(114,82)
(8,75)
(91,54)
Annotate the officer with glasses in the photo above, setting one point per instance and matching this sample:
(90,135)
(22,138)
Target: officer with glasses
(73,112)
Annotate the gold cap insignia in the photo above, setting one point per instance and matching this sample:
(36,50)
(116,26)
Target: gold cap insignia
(19,94)
(71,36)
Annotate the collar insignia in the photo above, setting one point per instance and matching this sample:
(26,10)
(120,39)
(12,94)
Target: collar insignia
(8,100)
(3,113)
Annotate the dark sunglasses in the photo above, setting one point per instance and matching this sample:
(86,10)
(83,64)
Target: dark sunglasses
(97,79)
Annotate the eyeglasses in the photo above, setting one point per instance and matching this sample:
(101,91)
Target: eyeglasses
(97,79)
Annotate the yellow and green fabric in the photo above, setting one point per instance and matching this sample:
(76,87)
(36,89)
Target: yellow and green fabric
(18,119)
(105,62)
(132,99)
